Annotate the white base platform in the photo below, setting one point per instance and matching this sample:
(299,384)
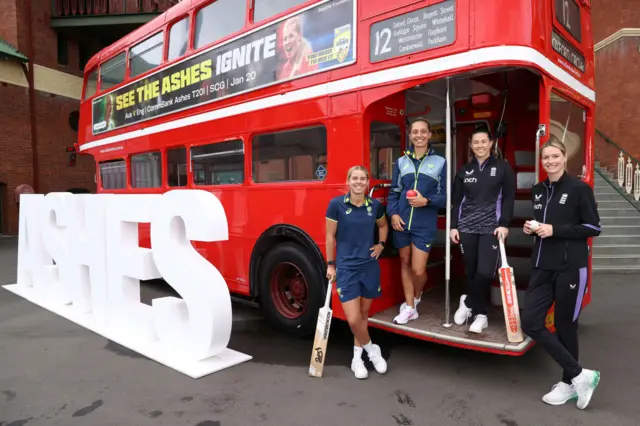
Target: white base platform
(153,350)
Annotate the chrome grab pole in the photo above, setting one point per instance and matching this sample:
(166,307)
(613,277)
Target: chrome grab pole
(447,254)
(542,131)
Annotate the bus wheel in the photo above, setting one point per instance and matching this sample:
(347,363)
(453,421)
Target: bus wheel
(291,290)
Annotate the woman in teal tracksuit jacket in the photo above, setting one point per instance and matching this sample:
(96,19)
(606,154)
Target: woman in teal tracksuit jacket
(414,219)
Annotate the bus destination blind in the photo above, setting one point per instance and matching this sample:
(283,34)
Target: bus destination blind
(313,41)
(423,29)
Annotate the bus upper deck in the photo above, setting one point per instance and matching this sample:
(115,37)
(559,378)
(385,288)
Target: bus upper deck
(272,136)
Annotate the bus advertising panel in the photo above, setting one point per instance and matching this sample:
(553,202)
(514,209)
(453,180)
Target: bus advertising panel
(312,41)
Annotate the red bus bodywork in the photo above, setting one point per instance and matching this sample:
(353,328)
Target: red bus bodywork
(490,35)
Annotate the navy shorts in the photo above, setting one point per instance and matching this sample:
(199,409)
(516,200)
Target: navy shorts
(422,240)
(360,282)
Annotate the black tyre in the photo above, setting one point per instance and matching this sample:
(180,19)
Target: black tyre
(291,289)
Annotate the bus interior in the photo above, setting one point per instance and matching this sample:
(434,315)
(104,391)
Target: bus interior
(506,101)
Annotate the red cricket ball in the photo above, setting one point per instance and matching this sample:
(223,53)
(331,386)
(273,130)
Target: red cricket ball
(411,193)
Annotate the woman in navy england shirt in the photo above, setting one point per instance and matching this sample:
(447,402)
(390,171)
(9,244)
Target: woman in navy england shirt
(352,257)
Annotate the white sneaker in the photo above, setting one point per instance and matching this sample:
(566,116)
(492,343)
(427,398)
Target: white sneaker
(375,356)
(480,323)
(463,313)
(561,393)
(416,302)
(406,315)
(358,368)
(585,384)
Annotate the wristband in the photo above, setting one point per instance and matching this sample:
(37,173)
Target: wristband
(331,263)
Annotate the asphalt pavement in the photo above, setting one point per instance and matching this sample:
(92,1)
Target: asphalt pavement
(54,372)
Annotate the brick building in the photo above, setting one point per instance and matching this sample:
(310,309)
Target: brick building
(44,46)
(616,27)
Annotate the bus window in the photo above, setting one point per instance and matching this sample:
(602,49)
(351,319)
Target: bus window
(292,155)
(178,39)
(220,163)
(568,126)
(146,170)
(91,84)
(264,9)
(177,166)
(146,55)
(113,174)
(112,72)
(209,27)
(385,149)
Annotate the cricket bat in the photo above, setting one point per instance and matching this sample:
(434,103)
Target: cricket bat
(509,299)
(319,350)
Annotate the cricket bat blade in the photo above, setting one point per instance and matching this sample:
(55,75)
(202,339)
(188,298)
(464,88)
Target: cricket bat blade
(509,295)
(323,326)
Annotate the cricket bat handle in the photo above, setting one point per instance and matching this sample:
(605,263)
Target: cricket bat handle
(503,254)
(327,300)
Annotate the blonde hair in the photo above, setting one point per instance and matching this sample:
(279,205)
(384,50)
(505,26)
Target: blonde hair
(355,168)
(554,143)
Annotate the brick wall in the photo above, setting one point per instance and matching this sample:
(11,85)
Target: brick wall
(617,94)
(608,16)
(8,22)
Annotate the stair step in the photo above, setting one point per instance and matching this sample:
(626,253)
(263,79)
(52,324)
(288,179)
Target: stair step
(611,231)
(609,197)
(618,212)
(630,269)
(615,260)
(606,221)
(621,203)
(606,239)
(598,190)
(617,249)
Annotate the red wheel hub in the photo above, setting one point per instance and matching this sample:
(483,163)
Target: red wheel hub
(289,290)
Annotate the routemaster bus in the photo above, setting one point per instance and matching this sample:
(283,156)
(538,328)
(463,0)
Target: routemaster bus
(268,103)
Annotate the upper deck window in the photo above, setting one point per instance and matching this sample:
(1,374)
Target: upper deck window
(568,14)
(178,39)
(112,72)
(91,84)
(264,9)
(146,55)
(218,20)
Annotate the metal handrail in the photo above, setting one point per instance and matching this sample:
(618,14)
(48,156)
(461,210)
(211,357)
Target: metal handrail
(609,141)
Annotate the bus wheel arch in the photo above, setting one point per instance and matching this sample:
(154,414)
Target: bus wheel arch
(287,276)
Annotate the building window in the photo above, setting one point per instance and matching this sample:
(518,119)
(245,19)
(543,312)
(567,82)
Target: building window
(264,9)
(63,50)
(209,26)
(91,84)
(112,72)
(292,155)
(146,55)
(220,163)
(178,39)
(146,170)
(113,174)
(177,166)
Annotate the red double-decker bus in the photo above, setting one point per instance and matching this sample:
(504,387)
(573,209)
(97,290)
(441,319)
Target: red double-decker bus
(267,104)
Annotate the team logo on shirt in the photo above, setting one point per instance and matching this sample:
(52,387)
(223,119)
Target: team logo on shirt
(470,180)
(469,173)
(537,197)
(348,210)
(537,206)
(369,210)
(563,199)
(493,171)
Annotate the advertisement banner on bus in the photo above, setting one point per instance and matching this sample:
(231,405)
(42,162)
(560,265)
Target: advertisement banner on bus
(312,41)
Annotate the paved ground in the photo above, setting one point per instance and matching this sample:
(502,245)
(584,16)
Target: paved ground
(55,373)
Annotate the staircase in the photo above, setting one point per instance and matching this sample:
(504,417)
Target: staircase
(617,249)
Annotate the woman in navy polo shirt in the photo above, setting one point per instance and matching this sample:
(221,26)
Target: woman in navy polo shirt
(351,220)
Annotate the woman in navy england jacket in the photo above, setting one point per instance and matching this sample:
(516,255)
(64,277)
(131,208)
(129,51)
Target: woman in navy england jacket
(417,193)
